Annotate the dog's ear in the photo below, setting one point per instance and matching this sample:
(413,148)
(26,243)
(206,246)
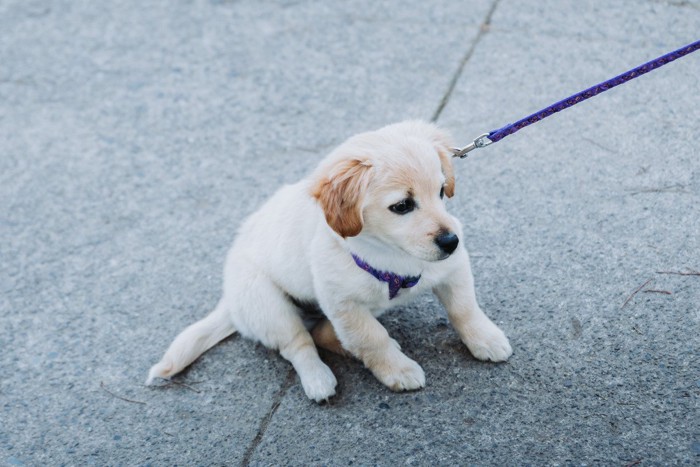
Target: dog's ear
(443,146)
(448,171)
(340,191)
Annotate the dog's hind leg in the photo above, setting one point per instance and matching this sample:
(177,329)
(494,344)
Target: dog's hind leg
(324,337)
(193,342)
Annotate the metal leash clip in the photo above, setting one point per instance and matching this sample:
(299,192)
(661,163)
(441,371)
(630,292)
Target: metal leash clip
(480,142)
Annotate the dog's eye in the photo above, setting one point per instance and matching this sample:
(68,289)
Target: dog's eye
(403,207)
(442,192)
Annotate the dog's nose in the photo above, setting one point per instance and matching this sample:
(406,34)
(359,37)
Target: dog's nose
(447,241)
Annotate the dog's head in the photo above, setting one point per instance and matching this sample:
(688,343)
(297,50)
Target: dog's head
(388,186)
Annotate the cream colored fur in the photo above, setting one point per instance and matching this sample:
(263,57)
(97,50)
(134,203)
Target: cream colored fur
(299,245)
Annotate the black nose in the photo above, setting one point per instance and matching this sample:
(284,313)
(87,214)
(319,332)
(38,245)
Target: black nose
(447,242)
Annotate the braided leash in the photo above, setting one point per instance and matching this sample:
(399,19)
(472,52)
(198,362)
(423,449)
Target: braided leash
(497,135)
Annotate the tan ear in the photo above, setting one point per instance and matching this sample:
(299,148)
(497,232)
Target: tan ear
(340,192)
(448,171)
(443,145)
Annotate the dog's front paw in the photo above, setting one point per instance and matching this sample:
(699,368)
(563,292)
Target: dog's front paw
(319,385)
(487,342)
(398,372)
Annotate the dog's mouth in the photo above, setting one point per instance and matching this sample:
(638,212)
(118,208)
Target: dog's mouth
(428,254)
(433,258)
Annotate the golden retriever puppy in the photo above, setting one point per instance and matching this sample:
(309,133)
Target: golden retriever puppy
(323,258)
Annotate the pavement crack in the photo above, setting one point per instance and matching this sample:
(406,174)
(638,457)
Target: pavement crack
(675,188)
(483,29)
(678,3)
(277,400)
(597,144)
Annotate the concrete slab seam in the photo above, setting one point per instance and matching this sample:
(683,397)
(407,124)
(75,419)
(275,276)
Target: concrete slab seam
(483,29)
(286,384)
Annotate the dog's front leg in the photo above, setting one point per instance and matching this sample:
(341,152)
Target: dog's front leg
(481,336)
(363,336)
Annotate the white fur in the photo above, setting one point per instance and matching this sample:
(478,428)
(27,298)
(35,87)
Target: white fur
(287,248)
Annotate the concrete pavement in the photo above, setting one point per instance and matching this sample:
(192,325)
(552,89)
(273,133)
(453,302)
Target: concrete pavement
(136,136)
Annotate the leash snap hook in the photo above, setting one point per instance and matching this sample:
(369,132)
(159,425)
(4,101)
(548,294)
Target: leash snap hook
(480,142)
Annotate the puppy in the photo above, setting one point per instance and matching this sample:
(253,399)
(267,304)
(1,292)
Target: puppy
(323,258)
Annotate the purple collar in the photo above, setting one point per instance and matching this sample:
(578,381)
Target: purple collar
(395,281)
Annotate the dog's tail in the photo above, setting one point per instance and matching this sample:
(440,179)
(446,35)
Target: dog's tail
(193,342)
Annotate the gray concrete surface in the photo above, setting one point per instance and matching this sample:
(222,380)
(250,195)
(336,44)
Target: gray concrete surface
(136,136)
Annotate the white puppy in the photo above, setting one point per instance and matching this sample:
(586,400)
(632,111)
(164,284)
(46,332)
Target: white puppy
(367,230)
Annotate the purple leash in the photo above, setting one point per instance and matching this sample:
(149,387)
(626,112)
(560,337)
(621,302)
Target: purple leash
(497,135)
